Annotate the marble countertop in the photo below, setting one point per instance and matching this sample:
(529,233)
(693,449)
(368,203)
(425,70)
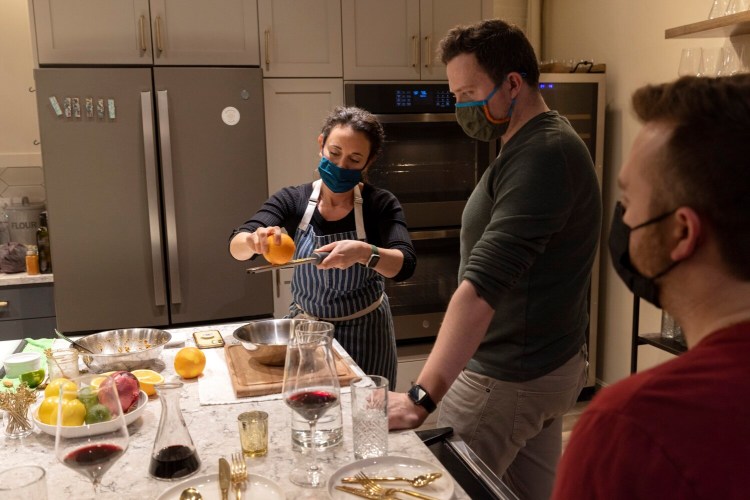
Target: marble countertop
(213,429)
(24,279)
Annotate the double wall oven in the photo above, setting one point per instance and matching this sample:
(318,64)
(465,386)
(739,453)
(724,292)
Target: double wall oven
(431,166)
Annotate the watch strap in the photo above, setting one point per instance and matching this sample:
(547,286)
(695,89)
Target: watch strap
(374,257)
(421,397)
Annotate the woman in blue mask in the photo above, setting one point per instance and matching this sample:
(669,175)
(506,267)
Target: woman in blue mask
(363,228)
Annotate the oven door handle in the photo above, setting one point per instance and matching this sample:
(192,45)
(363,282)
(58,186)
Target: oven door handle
(434,235)
(416,117)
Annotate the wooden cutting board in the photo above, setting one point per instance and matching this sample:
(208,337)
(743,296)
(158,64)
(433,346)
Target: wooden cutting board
(250,378)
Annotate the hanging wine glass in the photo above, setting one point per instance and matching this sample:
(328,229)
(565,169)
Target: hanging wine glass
(310,388)
(91,448)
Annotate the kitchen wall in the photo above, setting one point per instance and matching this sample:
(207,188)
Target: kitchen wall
(20,158)
(627,35)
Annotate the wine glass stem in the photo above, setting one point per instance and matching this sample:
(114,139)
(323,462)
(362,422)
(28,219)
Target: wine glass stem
(313,449)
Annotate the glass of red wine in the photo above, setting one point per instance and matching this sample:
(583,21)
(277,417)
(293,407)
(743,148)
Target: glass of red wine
(92,447)
(310,388)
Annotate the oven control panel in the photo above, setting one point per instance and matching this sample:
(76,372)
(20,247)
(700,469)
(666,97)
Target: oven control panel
(395,98)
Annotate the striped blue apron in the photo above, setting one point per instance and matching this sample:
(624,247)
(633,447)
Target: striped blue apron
(352,299)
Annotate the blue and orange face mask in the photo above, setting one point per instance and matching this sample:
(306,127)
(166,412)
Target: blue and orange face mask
(477,122)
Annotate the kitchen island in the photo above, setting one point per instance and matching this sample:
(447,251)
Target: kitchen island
(213,428)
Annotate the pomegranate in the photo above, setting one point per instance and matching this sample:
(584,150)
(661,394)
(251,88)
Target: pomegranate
(127,390)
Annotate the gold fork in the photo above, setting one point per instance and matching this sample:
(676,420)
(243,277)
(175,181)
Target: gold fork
(375,489)
(239,474)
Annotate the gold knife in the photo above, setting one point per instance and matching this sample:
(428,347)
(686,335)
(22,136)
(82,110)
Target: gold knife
(224,474)
(358,492)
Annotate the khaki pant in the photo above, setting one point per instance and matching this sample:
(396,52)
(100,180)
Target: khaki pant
(516,427)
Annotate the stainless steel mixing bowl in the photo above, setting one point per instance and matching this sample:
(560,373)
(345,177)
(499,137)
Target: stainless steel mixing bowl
(266,339)
(125,349)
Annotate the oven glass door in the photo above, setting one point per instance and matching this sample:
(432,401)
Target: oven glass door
(431,167)
(419,303)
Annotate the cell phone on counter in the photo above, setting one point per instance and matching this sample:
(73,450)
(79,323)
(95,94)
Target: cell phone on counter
(208,339)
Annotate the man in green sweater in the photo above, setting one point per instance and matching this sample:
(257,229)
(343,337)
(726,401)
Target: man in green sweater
(510,357)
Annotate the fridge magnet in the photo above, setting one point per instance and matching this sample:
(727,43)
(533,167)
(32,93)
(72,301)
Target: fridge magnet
(67,107)
(55,105)
(230,115)
(100,109)
(111,109)
(89,107)
(76,107)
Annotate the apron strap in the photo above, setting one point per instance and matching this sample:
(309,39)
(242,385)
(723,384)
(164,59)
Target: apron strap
(311,204)
(359,220)
(362,312)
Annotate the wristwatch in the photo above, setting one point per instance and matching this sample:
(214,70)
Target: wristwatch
(420,397)
(374,257)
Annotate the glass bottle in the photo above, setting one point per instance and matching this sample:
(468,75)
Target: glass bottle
(173,455)
(32,260)
(42,243)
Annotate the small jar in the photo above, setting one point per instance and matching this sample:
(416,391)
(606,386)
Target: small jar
(32,260)
(63,363)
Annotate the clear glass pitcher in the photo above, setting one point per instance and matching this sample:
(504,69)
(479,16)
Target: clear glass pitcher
(173,456)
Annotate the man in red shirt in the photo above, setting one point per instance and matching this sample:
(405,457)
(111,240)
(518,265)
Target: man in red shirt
(680,238)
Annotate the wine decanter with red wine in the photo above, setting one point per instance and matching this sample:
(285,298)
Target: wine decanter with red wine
(310,388)
(173,456)
(91,433)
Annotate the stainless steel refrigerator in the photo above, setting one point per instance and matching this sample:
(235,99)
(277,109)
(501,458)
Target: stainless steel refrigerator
(147,170)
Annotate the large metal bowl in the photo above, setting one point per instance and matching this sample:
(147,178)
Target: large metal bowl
(266,339)
(126,349)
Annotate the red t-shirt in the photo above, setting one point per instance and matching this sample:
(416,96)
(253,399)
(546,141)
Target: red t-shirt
(678,431)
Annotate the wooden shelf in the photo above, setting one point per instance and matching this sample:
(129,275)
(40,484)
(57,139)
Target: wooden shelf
(720,27)
(656,340)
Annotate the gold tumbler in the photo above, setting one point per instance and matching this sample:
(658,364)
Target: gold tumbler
(253,433)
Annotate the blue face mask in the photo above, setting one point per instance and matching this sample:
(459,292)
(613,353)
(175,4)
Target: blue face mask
(338,180)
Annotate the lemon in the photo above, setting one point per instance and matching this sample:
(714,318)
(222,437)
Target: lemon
(189,362)
(147,379)
(68,388)
(74,412)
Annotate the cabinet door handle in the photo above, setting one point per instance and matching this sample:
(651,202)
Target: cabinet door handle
(267,35)
(159,46)
(428,50)
(278,283)
(3,304)
(414,51)
(142,33)
(152,195)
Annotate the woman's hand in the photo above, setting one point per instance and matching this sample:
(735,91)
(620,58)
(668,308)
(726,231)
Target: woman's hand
(244,245)
(344,254)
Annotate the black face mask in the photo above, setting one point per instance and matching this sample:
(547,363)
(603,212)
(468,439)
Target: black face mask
(619,241)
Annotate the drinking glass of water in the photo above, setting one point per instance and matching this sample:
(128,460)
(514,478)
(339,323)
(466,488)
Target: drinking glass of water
(370,416)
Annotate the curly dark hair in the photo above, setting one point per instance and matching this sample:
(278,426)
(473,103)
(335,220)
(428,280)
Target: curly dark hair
(705,162)
(500,48)
(361,121)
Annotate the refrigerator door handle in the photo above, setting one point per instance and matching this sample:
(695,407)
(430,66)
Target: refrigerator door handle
(168,179)
(152,194)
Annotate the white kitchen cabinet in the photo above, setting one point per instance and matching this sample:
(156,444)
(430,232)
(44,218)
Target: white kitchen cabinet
(397,39)
(300,42)
(196,32)
(136,32)
(295,110)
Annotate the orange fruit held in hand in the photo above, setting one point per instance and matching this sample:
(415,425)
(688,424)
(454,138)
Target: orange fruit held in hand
(189,362)
(280,254)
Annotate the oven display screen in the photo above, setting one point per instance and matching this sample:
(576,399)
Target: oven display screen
(423,99)
(400,98)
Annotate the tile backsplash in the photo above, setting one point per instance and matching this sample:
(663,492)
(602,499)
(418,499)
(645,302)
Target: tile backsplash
(17,182)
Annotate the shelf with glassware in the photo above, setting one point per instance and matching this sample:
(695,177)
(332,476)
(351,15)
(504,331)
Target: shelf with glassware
(719,27)
(671,345)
